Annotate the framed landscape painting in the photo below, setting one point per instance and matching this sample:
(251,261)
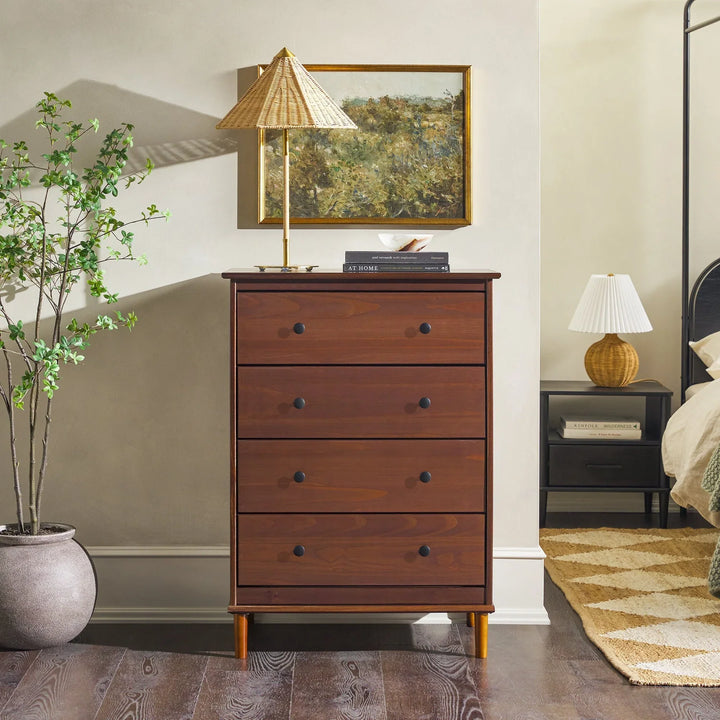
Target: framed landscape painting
(408,161)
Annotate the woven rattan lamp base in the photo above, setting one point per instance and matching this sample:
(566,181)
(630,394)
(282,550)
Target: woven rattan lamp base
(611,362)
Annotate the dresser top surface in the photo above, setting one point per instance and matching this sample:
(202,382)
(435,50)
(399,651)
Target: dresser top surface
(349,279)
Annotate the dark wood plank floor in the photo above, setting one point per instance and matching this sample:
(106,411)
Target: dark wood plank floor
(337,672)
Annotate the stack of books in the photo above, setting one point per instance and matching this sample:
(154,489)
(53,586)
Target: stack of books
(617,428)
(370,261)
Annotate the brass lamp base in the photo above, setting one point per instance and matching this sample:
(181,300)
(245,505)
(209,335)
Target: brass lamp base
(611,362)
(287,268)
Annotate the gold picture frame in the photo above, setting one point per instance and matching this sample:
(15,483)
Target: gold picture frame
(409,162)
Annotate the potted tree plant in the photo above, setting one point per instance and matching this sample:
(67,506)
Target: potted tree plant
(56,230)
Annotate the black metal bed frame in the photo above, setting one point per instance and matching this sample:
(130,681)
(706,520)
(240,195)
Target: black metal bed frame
(701,306)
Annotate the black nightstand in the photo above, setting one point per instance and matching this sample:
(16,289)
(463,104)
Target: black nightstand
(602,465)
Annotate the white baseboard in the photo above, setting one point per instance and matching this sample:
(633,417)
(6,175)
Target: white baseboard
(180,584)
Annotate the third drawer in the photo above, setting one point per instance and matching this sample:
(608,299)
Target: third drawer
(361,475)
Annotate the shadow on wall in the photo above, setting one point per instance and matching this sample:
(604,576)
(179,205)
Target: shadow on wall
(168,134)
(139,445)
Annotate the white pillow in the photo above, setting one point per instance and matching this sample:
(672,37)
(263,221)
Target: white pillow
(708,350)
(695,389)
(714,370)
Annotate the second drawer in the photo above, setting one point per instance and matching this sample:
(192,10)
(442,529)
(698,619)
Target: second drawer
(604,465)
(359,402)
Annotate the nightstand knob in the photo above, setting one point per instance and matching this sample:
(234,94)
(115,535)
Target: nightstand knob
(299,550)
(424,403)
(425,328)
(424,550)
(299,328)
(425,476)
(299,476)
(299,403)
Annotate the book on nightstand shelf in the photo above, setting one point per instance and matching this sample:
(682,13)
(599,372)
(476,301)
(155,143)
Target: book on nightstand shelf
(621,428)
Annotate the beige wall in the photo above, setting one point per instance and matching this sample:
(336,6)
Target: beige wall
(147,414)
(611,150)
(611,114)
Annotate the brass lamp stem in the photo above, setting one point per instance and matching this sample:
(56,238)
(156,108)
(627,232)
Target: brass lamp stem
(286,199)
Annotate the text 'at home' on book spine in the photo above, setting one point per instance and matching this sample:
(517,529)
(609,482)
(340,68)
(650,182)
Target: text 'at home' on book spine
(394,267)
(603,423)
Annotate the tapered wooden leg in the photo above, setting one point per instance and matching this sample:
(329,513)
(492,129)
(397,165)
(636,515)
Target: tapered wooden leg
(471,619)
(241,635)
(481,633)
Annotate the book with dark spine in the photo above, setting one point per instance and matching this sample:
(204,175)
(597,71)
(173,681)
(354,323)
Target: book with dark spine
(378,256)
(394,267)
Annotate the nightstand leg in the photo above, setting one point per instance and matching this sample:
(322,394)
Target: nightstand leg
(481,635)
(470,619)
(648,502)
(241,635)
(663,500)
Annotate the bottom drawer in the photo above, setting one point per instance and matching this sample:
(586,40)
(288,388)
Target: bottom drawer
(604,465)
(357,549)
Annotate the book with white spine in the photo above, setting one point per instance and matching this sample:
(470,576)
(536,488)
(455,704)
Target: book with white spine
(599,423)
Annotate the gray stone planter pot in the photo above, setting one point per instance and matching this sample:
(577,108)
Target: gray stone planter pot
(47,588)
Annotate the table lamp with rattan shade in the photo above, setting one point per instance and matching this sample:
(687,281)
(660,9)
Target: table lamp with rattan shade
(286,96)
(610,305)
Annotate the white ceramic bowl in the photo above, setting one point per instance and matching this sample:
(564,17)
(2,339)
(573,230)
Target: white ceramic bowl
(405,241)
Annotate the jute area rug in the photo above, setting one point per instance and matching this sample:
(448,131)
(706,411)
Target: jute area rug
(643,600)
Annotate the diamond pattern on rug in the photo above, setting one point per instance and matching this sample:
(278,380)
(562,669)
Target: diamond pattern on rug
(603,538)
(708,537)
(661,605)
(643,598)
(706,665)
(685,634)
(645,580)
(620,558)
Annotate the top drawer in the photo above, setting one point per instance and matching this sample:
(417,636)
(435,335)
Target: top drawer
(409,328)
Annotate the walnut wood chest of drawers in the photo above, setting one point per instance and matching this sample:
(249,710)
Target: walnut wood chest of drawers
(361,415)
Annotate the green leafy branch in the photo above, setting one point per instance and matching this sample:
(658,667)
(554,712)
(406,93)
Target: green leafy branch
(51,251)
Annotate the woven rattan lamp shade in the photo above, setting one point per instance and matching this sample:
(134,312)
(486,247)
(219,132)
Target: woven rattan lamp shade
(286,96)
(610,304)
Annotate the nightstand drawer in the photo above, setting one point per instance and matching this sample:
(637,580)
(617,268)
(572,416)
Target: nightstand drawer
(372,549)
(606,465)
(357,402)
(360,328)
(360,475)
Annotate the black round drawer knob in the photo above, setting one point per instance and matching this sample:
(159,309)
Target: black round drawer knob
(424,550)
(425,328)
(299,328)
(299,403)
(299,476)
(299,550)
(425,476)
(424,402)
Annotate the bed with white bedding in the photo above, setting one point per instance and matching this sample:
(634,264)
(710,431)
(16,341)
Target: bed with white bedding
(693,431)
(691,437)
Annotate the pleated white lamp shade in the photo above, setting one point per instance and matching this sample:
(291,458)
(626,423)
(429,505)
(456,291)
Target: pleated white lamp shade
(610,304)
